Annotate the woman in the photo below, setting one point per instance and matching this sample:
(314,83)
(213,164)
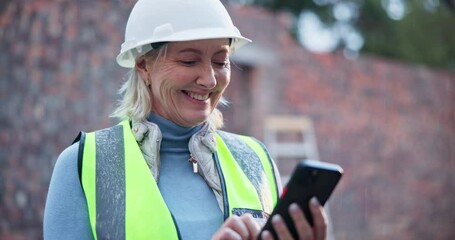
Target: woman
(167,171)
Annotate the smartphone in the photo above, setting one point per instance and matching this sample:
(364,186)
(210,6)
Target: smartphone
(310,178)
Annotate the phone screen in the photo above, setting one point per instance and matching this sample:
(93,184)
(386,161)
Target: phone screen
(310,179)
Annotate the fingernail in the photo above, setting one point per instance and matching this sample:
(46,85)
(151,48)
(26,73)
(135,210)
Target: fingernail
(276,219)
(314,201)
(265,234)
(293,208)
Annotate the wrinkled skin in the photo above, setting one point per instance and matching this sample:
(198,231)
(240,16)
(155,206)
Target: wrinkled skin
(187,84)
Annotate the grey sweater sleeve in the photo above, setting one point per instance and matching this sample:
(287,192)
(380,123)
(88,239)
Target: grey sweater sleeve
(66,214)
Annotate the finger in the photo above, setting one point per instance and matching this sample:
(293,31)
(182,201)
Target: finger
(226,234)
(280,228)
(251,224)
(319,219)
(266,235)
(236,224)
(301,224)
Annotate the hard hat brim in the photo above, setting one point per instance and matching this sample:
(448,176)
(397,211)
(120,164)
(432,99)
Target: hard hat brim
(128,55)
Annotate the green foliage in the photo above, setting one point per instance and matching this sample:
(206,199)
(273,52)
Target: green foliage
(423,36)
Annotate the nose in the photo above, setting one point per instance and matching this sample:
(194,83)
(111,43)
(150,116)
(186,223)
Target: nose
(207,78)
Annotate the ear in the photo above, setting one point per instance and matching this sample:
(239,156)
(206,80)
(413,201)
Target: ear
(141,68)
(141,65)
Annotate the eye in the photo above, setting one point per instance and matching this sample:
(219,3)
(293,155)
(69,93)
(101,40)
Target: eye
(221,64)
(188,62)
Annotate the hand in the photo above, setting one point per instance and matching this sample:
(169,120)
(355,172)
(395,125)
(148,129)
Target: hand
(304,229)
(235,227)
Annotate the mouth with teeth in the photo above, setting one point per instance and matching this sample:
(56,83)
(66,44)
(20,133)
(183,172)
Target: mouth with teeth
(199,97)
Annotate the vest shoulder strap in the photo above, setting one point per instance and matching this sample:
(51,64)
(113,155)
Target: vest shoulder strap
(122,196)
(81,139)
(254,160)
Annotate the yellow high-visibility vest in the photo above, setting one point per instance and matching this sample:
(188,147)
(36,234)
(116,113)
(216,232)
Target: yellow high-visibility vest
(123,197)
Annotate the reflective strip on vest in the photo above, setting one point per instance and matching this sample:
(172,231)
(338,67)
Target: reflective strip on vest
(124,201)
(122,208)
(266,162)
(249,178)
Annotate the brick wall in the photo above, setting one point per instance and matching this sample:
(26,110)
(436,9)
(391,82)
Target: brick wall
(57,77)
(391,126)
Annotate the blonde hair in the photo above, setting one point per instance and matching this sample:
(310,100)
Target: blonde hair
(136,101)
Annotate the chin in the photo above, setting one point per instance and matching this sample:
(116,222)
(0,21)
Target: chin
(196,120)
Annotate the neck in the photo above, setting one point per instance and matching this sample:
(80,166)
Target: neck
(175,137)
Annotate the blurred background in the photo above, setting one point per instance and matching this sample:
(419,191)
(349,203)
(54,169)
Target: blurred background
(366,84)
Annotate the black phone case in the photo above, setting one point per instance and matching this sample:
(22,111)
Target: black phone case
(310,178)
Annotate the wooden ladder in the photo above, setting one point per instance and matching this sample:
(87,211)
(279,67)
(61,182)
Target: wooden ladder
(298,142)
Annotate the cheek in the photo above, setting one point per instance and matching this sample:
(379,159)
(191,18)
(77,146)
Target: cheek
(224,78)
(160,84)
(222,82)
(156,87)
(165,91)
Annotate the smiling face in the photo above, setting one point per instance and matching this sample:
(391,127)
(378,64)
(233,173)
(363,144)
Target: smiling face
(188,82)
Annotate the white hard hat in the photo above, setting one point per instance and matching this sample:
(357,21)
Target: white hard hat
(153,21)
